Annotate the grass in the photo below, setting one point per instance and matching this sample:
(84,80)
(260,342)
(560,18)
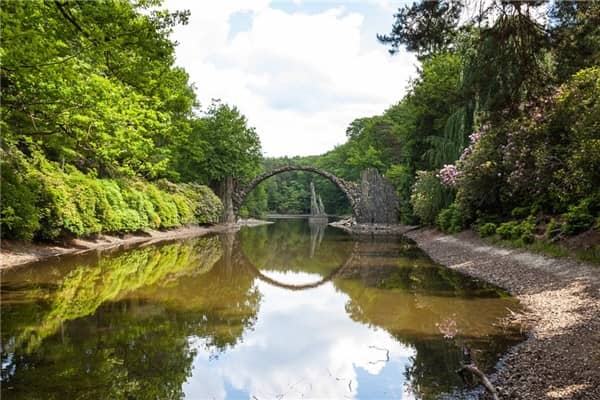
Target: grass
(550,249)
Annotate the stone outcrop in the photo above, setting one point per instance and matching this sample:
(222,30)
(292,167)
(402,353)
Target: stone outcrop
(378,200)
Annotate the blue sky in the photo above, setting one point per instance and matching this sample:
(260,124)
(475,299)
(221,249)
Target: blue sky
(300,71)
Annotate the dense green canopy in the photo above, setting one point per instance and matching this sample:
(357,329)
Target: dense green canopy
(93,108)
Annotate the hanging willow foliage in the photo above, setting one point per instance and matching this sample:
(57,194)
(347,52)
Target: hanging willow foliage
(447,148)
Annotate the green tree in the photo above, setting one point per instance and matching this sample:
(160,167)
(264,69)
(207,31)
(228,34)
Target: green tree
(426,28)
(219,145)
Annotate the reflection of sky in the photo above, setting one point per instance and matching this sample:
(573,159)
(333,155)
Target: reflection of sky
(292,278)
(303,345)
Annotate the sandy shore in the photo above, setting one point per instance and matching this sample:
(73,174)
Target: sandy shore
(14,253)
(561,358)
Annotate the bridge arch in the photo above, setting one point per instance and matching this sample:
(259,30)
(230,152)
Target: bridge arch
(350,189)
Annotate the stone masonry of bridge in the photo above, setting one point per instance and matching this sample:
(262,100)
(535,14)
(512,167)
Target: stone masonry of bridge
(374,200)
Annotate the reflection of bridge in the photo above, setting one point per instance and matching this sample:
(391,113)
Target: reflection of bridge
(374,200)
(335,273)
(234,257)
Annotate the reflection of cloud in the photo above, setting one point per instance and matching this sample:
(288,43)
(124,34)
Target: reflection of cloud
(303,344)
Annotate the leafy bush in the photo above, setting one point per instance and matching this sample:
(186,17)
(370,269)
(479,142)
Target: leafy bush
(520,212)
(552,229)
(429,196)
(19,217)
(527,229)
(578,120)
(487,229)
(480,175)
(578,218)
(208,208)
(43,201)
(514,230)
(508,230)
(450,220)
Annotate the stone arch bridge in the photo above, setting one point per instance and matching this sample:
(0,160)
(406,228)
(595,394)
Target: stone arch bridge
(373,200)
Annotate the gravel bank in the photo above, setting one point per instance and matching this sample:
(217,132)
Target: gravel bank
(561,358)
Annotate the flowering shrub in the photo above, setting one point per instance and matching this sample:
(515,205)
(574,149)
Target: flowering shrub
(545,155)
(577,123)
(527,151)
(448,175)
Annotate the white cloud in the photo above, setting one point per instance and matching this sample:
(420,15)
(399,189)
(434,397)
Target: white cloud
(299,78)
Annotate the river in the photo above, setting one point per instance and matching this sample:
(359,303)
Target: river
(282,311)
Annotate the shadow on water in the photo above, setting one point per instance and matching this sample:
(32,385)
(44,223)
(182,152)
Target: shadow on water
(285,310)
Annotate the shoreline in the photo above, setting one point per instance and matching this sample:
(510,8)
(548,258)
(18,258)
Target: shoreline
(14,253)
(560,359)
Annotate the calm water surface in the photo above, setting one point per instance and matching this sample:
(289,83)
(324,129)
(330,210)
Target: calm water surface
(289,310)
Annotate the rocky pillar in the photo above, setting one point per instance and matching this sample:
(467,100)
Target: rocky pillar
(378,199)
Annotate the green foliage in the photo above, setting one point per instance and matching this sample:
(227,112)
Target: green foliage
(577,121)
(576,34)
(508,230)
(19,216)
(256,203)
(425,28)
(579,217)
(450,219)
(487,229)
(520,212)
(43,201)
(429,197)
(553,228)
(523,230)
(92,84)
(218,146)
(93,109)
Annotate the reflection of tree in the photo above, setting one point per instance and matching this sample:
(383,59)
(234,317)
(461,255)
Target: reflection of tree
(136,343)
(286,246)
(85,287)
(225,299)
(126,350)
(392,285)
